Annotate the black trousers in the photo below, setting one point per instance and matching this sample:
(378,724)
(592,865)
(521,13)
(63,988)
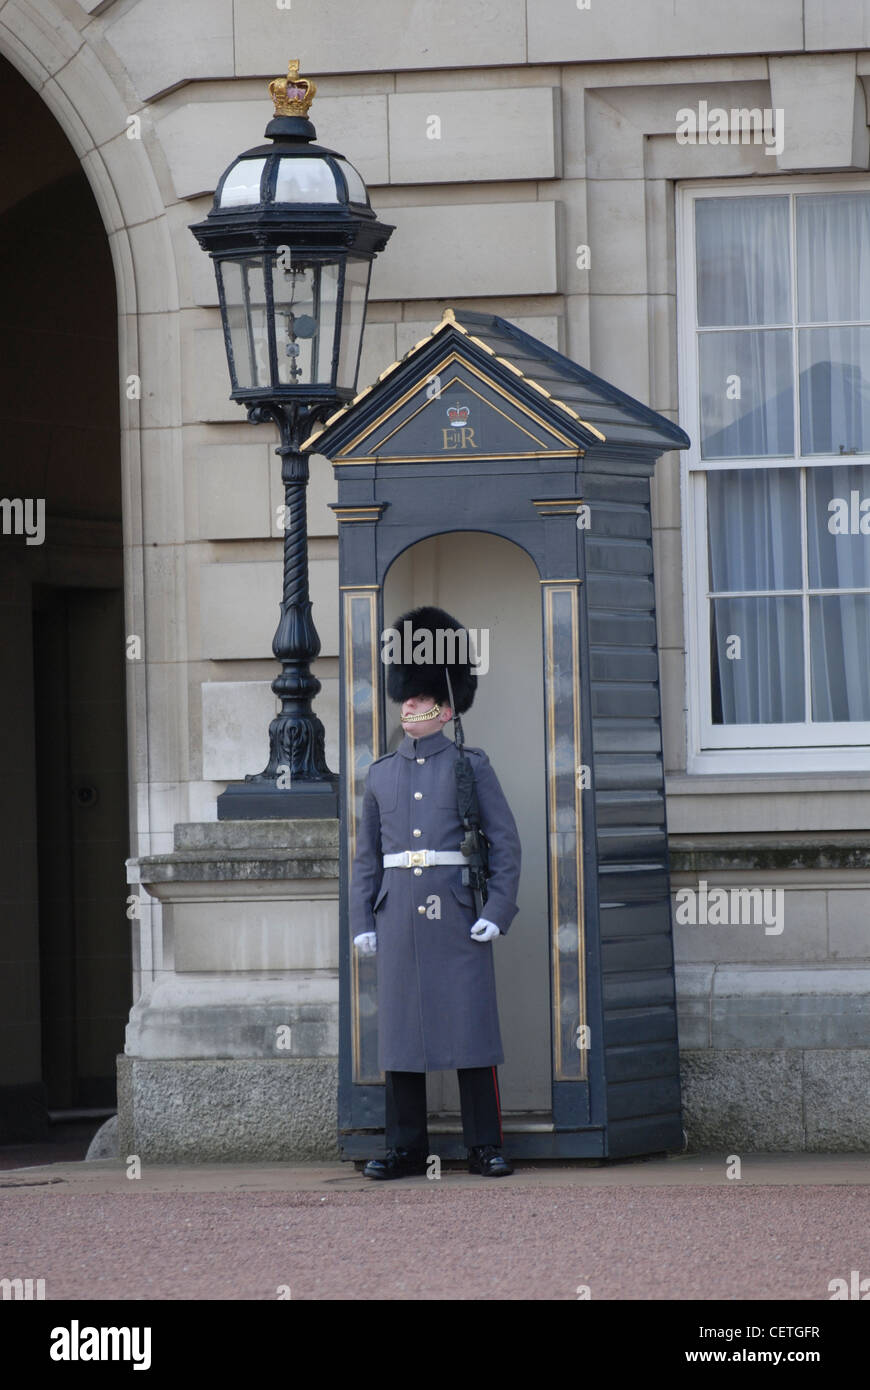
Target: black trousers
(406,1108)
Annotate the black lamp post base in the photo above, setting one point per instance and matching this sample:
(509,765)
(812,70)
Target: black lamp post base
(262,801)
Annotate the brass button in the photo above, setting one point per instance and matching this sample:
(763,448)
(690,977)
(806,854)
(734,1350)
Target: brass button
(418,796)
(421,760)
(417,832)
(418,871)
(421,908)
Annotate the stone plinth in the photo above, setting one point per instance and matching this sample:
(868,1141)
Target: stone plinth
(232,1049)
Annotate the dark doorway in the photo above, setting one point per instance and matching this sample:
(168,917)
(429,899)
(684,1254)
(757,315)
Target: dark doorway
(65,940)
(84,937)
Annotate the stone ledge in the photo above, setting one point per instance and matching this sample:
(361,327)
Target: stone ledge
(742,981)
(701,853)
(243,851)
(239,835)
(206,868)
(765,783)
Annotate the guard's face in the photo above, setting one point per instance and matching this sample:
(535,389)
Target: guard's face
(420,704)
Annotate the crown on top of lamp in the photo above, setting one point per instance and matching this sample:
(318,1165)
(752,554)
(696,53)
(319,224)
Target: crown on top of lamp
(292,94)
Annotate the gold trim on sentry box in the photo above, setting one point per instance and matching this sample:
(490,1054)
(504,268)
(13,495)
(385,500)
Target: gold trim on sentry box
(367,593)
(467,387)
(559,1071)
(371,459)
(449,320)
(455,356)
(346,514)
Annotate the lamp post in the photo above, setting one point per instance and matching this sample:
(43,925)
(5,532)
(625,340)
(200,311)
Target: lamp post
(292,235)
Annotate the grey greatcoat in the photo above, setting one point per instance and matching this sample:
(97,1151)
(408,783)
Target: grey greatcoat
(436,985)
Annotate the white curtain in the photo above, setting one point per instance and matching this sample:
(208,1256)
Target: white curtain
(833,257)
(839,624)
(746,375)
(835,390)
(754,530)
(743,262)
(833,277)
(755,541)
(747,403)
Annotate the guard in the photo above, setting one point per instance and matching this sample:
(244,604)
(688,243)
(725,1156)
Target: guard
(413,901)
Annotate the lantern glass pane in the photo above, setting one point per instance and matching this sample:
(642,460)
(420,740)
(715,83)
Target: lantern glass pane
(356,289)
(305,295)
(356,189)
(305,181)
(242,185)
(245,299)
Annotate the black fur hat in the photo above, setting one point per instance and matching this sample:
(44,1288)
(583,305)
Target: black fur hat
(440,641)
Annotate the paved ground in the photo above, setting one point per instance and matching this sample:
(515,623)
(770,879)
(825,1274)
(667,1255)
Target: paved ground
(674,1228)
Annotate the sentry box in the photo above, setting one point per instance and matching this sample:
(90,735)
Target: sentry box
(488,474)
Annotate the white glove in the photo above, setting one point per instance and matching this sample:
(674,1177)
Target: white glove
(366,942)
(484,931)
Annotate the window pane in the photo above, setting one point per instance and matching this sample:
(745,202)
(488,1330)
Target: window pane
(833,256)
(835,390)
(839,669)
(305,297)
(838,526)
(753,521)
(757,660)
(743,261)
(356,283)
(746,394)
(247,321)
(305,181)
(242,185)
(329,277)
(356,189)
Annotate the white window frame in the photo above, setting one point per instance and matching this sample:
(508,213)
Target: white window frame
(743,747)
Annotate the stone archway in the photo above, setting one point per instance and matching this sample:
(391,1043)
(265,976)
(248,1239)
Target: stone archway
(78,442)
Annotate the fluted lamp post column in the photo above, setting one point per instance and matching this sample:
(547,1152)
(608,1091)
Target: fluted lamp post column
(292,236)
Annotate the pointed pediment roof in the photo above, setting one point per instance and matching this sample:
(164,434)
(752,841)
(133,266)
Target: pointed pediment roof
(511,394)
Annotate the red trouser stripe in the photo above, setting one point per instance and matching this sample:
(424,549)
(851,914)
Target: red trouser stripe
(497,1104)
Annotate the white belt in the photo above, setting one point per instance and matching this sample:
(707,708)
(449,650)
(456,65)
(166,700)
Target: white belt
(423,858)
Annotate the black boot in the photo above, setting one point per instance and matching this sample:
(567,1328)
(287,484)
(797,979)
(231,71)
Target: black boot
(488,1161)
(399,1163)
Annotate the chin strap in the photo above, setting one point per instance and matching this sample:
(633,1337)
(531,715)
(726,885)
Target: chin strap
(421,718)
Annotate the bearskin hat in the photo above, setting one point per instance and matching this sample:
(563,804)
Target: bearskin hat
(418,648)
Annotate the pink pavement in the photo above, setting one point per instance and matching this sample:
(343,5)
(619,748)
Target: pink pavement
(672,1228)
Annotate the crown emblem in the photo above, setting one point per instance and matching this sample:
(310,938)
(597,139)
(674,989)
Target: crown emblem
(292,94)
(458,414)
